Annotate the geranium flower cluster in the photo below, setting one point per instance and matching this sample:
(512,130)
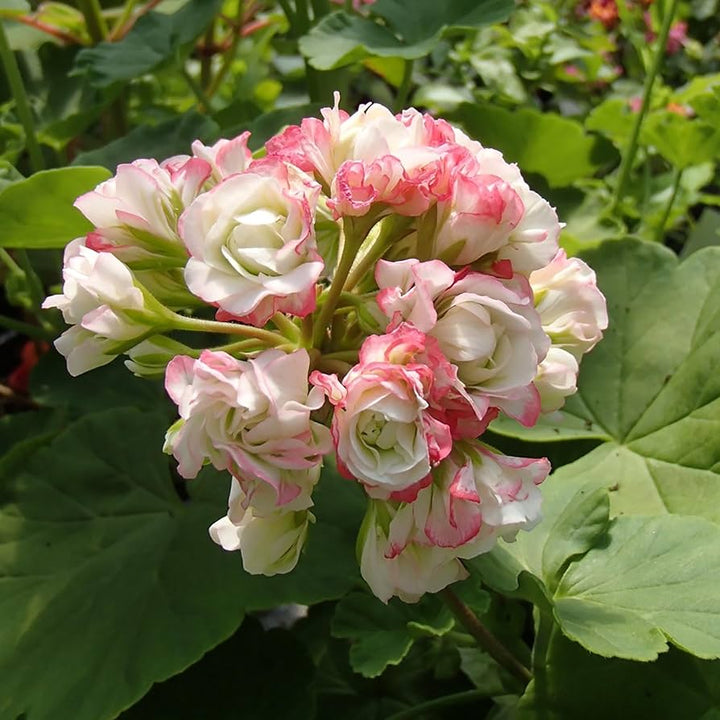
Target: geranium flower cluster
(377,286)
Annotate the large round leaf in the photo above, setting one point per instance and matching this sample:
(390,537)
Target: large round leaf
(109,581)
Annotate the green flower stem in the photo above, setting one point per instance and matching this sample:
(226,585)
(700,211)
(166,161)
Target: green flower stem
(631,150)
(242,347)
(545,627)
(485,639)
(677,177)
(94,20)
(204,103)
(405,84)
(320,8)
(22,105)
(289,14)
(230,53)
(390,230)
(123,18)
(286,326)
(350,356)
(461,698)
(354,233)
(180,322)
(32,331)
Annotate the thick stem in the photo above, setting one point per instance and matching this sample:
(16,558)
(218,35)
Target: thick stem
(657,60)
(543,635)
(405,85)
(94,20)
(180,322)
(677,177)
(485,639)
(351,240)
(22,105)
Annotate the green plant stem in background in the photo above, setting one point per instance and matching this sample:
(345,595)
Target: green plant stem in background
(122,19)
(22,105)
(229,54)
(405,84)
(460,698)
(657,60)
(677,177)
(204,104)
(94,20)
(545,627)
(485,639)
(206,62)
(32,331)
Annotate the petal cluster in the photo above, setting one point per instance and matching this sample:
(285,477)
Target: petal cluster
(373,285)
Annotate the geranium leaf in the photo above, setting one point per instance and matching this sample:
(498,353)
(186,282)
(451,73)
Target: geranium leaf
(38,212)
(103,565)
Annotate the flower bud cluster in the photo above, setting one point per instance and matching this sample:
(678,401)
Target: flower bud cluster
(381,287)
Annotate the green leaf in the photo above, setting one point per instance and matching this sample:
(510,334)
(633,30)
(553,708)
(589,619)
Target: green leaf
(705,234)
(647,385)
(422,20)
(340,39)
(582,685)
(38,212)
(239,676)
(172,137)
(381,634)
(614,119)
(410,30)
(105,566)
(654,580)
(680,141)
(105,387)
(524,136)
(154,39)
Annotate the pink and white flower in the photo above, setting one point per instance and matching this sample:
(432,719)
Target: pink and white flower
(136,212)
(102,302)
(572,308)
(252,244)
(477,496)
(418,568)
(252,418)
(486,326)
(225,157)
(556,378)
(270,543)
(396,413)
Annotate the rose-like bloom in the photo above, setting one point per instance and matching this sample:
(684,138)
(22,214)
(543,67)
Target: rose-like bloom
(476,219)
(392,562)
(556,379)
(358,186)
(533,241)
(252,418)
(397,411)
(225,157)
(486,326)
(477,496)
(269,543)
(252,244)
(103,303)
(572,309)
(136,212)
